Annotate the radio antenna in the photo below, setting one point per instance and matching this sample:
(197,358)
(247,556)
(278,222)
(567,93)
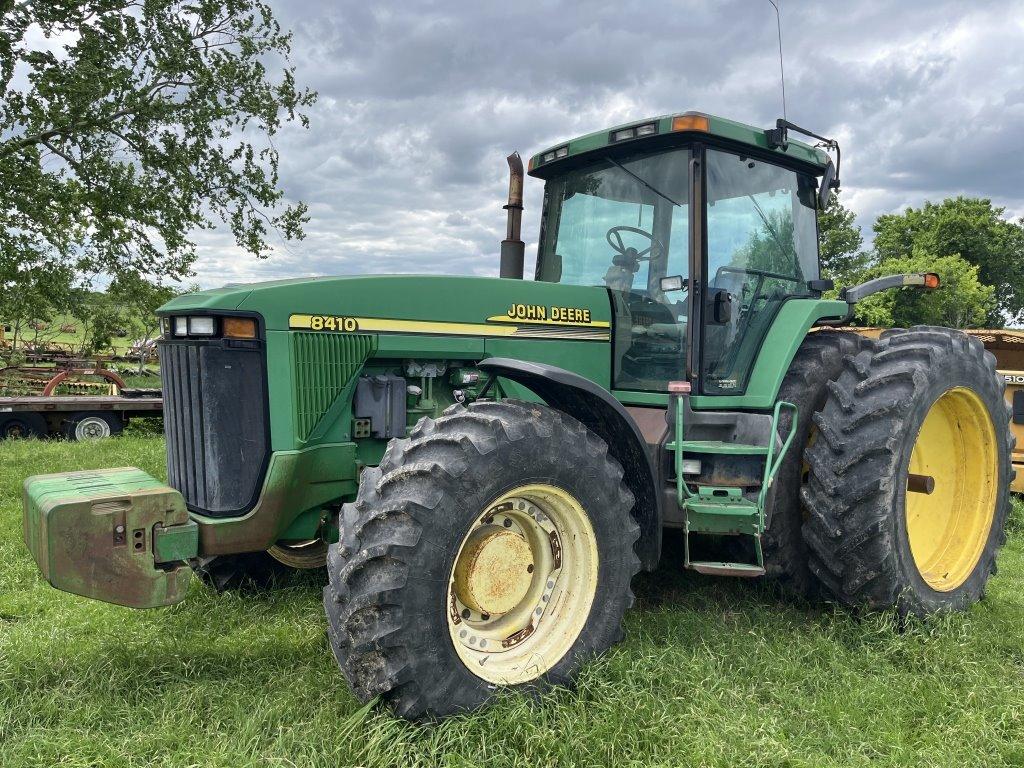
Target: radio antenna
(782,71)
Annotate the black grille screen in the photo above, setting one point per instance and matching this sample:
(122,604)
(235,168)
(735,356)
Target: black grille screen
(215,423)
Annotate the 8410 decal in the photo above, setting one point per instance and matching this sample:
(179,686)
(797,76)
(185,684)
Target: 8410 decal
(324,323)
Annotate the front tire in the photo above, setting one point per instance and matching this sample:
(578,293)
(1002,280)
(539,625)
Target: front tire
(493,548)
(909,476)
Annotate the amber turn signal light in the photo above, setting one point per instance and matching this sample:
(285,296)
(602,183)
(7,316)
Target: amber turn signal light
(239,328)
(691,123)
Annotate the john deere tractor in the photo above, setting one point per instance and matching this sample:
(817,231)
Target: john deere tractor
(483,465)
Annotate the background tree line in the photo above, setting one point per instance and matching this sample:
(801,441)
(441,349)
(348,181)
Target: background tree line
(977,252)
(58,306)
(125,127)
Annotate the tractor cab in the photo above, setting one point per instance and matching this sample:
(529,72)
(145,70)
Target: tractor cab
(701,230)
(699,242)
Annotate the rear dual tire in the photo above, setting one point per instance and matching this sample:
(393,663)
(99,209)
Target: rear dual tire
(923,406)
(92,426)
(817,363)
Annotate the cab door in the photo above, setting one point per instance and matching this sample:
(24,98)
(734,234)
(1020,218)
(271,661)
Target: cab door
(761,251)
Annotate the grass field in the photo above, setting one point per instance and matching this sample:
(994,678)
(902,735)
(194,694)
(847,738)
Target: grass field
(714,673)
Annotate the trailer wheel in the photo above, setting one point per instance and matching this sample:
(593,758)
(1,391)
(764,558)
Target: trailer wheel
(909,476)
(22,424)
(492,549)
(92,426)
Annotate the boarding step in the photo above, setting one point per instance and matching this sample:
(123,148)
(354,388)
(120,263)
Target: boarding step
(718,446)
(742,570)
(720,511)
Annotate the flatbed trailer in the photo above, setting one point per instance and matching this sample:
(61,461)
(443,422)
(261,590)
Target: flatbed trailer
(75,417)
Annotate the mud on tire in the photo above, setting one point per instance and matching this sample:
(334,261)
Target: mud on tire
(387,598)
(857,528)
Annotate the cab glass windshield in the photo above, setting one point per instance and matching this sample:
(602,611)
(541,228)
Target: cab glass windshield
(624,224)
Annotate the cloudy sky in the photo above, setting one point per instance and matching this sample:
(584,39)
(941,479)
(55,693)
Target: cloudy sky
(403,165)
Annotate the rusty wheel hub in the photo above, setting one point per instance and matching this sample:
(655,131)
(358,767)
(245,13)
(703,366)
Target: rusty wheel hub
(495,570)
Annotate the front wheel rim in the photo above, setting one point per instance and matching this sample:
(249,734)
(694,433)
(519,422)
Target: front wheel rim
(522,584)
(948,528)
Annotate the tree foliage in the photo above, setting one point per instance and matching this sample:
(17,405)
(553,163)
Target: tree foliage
(42,294)
(135,123)
(772,247)
(962,301)
(975,230)
(840,245)
(135,301)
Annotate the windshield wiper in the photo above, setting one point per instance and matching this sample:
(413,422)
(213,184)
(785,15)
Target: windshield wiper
(771,230)
(646,183)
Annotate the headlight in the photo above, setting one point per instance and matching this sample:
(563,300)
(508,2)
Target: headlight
(201,326)
(181,326)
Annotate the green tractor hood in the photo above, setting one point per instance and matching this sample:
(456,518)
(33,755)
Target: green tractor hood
(415,304)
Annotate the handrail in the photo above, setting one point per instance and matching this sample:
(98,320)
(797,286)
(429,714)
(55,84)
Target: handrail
(682,492)
(771,468)
(771,461)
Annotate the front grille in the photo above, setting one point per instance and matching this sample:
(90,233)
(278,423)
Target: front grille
(324,365)
(215,422)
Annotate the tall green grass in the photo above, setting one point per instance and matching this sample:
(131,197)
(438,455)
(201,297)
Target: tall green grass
(712,672)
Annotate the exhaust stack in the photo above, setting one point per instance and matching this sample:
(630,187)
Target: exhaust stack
(512,247)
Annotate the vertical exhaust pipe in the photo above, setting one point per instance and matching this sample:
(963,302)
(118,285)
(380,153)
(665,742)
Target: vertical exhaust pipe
(512,247)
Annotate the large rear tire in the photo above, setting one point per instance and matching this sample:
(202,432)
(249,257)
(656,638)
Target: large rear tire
(818,362)
(909,477)
(491,549)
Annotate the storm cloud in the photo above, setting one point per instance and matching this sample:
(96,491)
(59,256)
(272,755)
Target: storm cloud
(403,165)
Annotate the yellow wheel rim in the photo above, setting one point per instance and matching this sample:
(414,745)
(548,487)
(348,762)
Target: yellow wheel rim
(522,585)
(956,454)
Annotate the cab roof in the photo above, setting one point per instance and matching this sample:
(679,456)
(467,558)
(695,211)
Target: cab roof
(655,130)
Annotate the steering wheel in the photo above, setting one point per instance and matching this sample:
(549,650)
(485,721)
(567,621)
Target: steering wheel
(614,238)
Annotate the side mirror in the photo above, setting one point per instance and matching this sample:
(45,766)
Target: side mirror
(673,283)
(721,309)
(827,185)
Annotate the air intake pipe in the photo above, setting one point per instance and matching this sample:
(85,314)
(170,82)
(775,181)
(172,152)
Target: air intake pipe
(512,247)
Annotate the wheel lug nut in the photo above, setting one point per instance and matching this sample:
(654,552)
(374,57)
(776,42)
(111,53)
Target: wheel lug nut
(485,616)
(529,568)
(507,523)
(465,613)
